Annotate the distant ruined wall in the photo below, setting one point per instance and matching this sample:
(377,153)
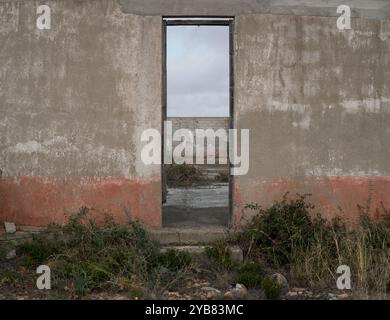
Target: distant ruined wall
(317,103)
(74,100)
(204,123)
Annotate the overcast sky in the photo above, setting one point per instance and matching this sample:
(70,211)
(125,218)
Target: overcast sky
(198,71)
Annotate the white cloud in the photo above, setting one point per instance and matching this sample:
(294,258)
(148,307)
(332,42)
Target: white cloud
(198,71)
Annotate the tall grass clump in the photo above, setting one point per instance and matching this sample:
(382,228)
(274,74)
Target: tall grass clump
(285,236)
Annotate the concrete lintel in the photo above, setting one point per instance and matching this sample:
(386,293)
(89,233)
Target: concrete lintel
(373,9)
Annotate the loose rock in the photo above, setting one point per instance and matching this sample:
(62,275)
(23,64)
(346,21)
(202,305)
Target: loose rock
(11,255)
(9,227)
(211,293)
(238,292)
(281,281)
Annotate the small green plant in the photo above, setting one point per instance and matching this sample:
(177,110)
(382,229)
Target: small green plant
(221,255)
(175,260)
(41,248)
(272,289)
(5,248)
(251,275)
(9,277)
(82,282)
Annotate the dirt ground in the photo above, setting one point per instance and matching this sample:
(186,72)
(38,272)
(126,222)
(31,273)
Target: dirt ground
(19,283)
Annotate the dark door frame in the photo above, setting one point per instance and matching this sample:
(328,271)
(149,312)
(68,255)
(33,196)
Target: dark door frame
(195,21)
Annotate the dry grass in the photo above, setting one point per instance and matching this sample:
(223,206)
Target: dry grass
(285,237)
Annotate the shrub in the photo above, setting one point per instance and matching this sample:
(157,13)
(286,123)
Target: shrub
(183,175)
(251,275)
(275,233)
(311,249)
(85,257)
(221,255)
(272,289)
(175,260)
(41,248)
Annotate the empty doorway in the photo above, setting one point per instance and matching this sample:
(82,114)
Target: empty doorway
(197,109)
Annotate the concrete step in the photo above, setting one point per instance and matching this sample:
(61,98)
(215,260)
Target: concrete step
(189,236)
(198,253)
(212,170)
(183,236)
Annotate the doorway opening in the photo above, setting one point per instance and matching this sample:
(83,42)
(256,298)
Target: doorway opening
(197,116)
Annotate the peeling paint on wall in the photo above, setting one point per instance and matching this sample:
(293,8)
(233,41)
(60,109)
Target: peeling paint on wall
(332,195)
(38,201)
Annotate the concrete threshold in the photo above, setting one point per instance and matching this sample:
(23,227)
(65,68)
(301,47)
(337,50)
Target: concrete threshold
(183,236)
(198,253)
(189,235)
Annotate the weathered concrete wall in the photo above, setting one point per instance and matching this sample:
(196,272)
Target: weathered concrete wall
(317,103)
(74,100)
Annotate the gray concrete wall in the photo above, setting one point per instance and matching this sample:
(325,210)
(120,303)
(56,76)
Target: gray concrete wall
(74,100)
(317,103)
